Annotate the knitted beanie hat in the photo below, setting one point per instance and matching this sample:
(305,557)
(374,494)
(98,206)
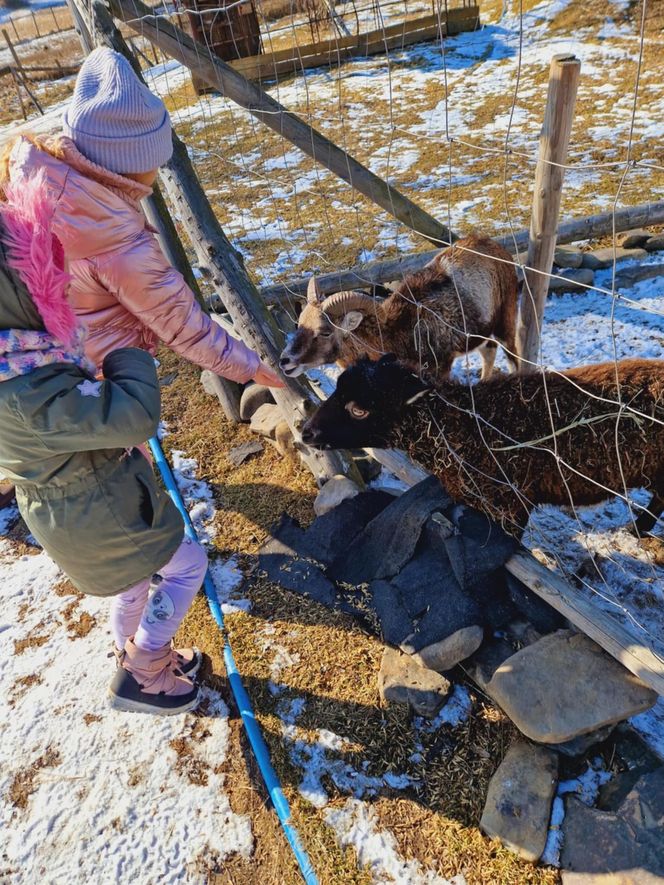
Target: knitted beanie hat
(114,120)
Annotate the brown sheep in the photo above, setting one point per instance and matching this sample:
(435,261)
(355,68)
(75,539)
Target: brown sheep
(514,441)
(460,301)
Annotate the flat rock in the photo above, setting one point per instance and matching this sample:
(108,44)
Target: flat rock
(607,847)
(580,745)
(335,490)
(300,576)
(483,664)
(655,243)
(266,419)
(518,804)
(253,397)
(571,280)
(395,622)
(7,493)
(402,681)
(565,685)
(599,258)
(283,439)
(630,276)
(447,653)
(239,454)
(389,540)
(633,239)
(643,807)
(567,256)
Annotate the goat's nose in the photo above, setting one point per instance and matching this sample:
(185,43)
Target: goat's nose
(284,361)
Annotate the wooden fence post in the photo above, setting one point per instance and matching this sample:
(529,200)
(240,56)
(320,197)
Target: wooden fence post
(240,297)
(20,73)
(261,105)
(251,318)
(549,174)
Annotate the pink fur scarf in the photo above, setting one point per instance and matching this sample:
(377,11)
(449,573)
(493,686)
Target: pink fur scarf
(36,254)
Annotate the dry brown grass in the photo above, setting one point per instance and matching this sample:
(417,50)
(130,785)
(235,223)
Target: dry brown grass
(23,783)
(337,675)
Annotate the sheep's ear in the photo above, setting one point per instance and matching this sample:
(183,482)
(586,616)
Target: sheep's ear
(313,291)
(351,320)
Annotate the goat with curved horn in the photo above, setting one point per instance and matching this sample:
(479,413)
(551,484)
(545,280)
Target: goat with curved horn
(463,300)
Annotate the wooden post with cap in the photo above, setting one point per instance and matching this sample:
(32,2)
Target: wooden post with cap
(549,175)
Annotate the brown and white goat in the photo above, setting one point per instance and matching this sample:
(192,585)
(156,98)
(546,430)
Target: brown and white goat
(465,298)
(515,441)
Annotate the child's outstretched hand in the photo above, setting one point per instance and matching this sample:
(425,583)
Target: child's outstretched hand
(267,377)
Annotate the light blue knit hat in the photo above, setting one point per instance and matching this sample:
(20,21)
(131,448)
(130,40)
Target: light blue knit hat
(114,120)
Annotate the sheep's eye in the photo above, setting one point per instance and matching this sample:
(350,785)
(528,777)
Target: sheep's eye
(356,412)
(325,334)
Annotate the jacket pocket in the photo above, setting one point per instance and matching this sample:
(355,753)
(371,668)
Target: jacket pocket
(146,505)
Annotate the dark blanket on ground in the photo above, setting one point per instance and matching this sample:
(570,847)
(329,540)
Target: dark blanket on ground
(413,569)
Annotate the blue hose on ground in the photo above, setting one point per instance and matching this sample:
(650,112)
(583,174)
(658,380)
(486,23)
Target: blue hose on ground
(242,699)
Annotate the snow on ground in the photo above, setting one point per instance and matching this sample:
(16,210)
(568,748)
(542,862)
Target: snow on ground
(86,793)
(320,758)
(356,825)
(585,787)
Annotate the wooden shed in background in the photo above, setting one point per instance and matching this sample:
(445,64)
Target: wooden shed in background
(230,33)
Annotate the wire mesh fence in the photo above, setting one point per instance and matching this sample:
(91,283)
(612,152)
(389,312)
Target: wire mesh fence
(454,124)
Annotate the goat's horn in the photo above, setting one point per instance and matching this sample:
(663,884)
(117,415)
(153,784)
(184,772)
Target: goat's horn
(313,292)
(341,302)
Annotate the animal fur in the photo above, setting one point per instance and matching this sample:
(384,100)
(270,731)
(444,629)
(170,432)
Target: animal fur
(514,441)
(457,302)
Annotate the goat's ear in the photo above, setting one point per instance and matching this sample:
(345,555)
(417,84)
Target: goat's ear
(351,320)
(313,291)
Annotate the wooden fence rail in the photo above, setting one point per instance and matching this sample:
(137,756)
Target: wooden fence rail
(220,75)
(376,272)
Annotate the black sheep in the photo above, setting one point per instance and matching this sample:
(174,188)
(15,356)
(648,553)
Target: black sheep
(514,441)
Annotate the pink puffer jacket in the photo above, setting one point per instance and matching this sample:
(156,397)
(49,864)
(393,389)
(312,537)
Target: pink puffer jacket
(123,289)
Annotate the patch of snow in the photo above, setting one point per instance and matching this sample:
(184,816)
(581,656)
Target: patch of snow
(455,711)
(388,482)
(197,495)
(650,726)
(118,803)
(227,579)
(356,825)
(586,788)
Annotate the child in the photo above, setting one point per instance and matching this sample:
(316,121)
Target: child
(116,134)
(67,442)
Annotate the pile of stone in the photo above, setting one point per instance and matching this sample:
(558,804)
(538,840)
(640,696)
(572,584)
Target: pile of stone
(575,269)
(427,576)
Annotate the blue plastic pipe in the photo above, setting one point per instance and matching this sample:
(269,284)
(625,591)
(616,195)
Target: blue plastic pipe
(242,699)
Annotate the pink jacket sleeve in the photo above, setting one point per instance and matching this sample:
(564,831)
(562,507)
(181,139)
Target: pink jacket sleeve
(157,295)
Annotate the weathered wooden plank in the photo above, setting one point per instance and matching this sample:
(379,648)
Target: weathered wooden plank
(640,654)
(421,28)
(229,82)
(376,272)
(564,76)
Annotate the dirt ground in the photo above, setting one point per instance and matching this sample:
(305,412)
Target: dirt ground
(336,672)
